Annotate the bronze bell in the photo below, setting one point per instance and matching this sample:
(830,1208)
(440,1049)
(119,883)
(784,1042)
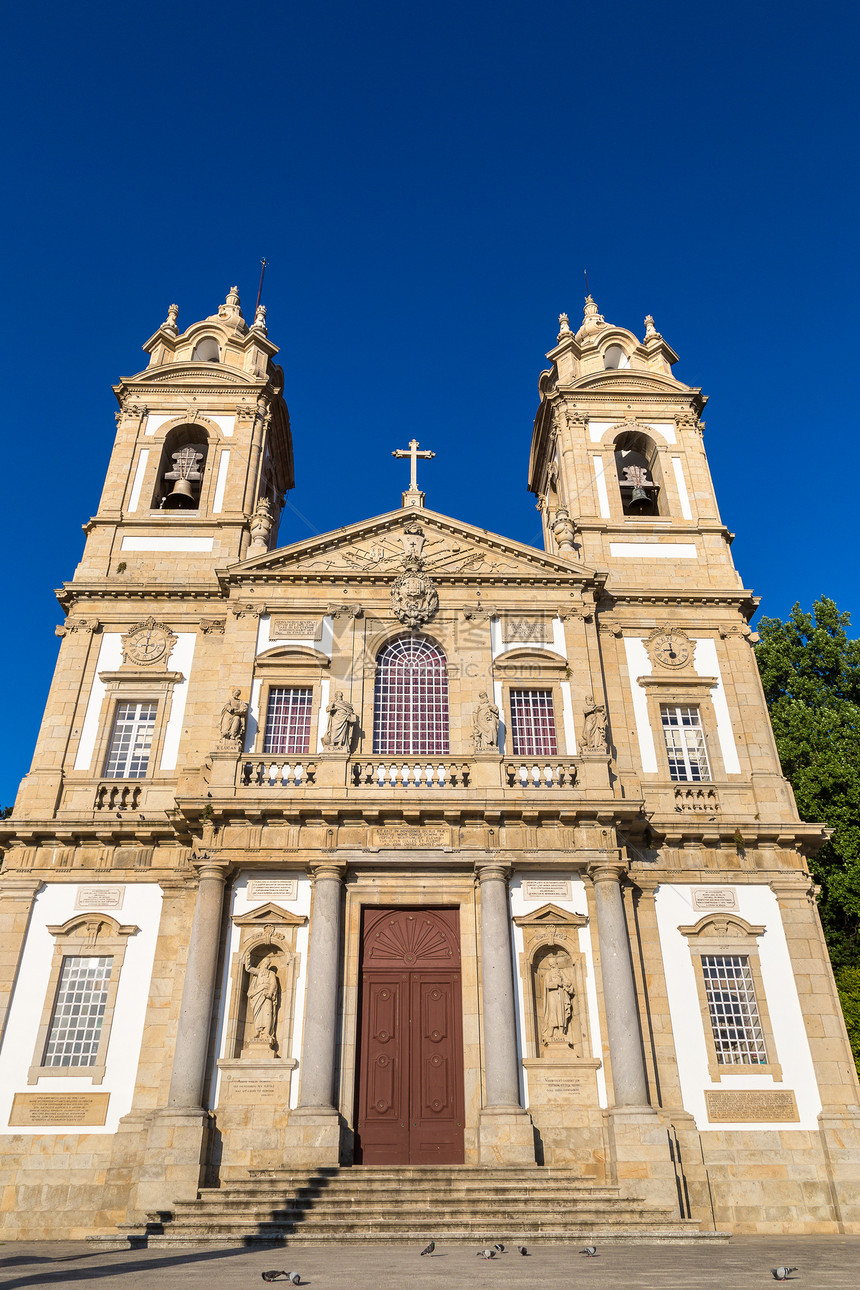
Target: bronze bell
(181,497)
(639,502)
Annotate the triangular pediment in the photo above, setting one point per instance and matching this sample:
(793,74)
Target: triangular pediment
(550,915)
(270,915)
(378,548)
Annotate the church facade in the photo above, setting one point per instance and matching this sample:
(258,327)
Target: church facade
(410,844)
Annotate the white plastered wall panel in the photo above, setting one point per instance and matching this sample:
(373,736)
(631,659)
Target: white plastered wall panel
(576,904)
(181,660)
(558,644)
(759,906)
(109,660)
(706,663)
(600,483)
(54,905)
(240,904)
(639,664)
(136,487)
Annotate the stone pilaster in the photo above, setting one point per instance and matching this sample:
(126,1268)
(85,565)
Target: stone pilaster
(17,894)
(505,1133)
(839,1121)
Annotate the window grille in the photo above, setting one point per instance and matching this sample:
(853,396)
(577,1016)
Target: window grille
(76,1022)
(288,720)
(410,709)
(128,755)
(533,724)
(738,1037)
(685,743)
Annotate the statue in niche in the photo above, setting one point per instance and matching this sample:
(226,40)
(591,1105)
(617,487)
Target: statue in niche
(234,716)
(594,727)
(485,724)
(264,996)
(557,992)
(342,720)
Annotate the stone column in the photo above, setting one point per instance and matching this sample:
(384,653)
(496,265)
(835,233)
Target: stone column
(629,1081)
(639,1141)
(314,1130)
(179,1134)
(198,992)
(505,1131)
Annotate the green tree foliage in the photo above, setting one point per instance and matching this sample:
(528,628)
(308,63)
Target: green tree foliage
(848,985)
(810,671)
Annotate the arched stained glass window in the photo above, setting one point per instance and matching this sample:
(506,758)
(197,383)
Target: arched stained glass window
(410,708)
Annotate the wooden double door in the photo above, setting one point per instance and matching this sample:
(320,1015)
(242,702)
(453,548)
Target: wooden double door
(410,1067)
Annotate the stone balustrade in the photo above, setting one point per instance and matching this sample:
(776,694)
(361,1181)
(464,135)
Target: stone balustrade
(527,773)
(385,774)
(276,774)
(117,795)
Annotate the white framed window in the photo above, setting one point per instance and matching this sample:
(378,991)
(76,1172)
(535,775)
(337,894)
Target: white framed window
(685,742)
(75,1028)
(733,1009)
(533,732)
(288,720)
(131,741)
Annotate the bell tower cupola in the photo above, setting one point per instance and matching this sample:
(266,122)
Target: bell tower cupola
(203,453)
(618,461)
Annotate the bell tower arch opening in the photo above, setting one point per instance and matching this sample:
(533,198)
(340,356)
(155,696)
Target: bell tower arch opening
(636,466)
(181,471)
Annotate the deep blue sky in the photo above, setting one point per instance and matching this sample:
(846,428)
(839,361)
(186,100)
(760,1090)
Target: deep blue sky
(429,183)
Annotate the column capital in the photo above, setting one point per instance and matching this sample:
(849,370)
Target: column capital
(207,866)
(610,869)
(795,887)
(332,869)
(487,871)
(13,887)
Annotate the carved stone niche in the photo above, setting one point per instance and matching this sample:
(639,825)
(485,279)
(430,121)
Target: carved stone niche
(263,974)
(553,975)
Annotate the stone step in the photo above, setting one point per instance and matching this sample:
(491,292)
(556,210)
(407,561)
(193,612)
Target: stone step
(480,1223)
(533,1238)
(423,1197)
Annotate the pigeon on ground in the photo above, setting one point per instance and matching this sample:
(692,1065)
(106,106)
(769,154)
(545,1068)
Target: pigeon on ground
(499,1248)
(428,1249)
(590,1250)
(486,1253)
(522,1249)
(272,1276)
(781,1274)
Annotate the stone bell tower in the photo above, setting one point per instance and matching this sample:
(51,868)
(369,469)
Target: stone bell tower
(202,457)
(618,461)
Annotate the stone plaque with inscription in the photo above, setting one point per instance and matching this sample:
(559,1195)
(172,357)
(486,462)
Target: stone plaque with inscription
(708,900)
(296,629)
(547,889)
(59,1110)
(100,896)
(750,1106)
(273,888)
(397,835)
(526,631)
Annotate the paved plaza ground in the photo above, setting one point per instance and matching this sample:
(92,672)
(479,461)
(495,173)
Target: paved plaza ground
(741,1263)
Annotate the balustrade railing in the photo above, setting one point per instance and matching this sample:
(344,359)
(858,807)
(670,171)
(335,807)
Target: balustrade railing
(276,774)
(385,774)
(117,796)
(527,773)
(697,799)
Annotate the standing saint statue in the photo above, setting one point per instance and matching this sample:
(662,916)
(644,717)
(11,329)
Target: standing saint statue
(264,992)
(234,714)
(594,727)
(341,723)
(485,724)
(557,995)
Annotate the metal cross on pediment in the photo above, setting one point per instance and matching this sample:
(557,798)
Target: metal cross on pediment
(413,497)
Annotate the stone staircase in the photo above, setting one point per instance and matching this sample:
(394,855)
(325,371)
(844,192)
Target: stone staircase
(364,1205)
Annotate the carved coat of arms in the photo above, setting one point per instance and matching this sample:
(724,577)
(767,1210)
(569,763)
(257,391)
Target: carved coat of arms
(414,598)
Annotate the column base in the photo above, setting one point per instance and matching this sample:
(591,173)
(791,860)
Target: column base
(174,1157)
(312,1137)
(840,1138)
(505,1136)
(641,1156)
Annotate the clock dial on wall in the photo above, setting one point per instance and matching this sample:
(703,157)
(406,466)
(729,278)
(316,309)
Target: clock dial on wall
(148,642)
(671,648)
